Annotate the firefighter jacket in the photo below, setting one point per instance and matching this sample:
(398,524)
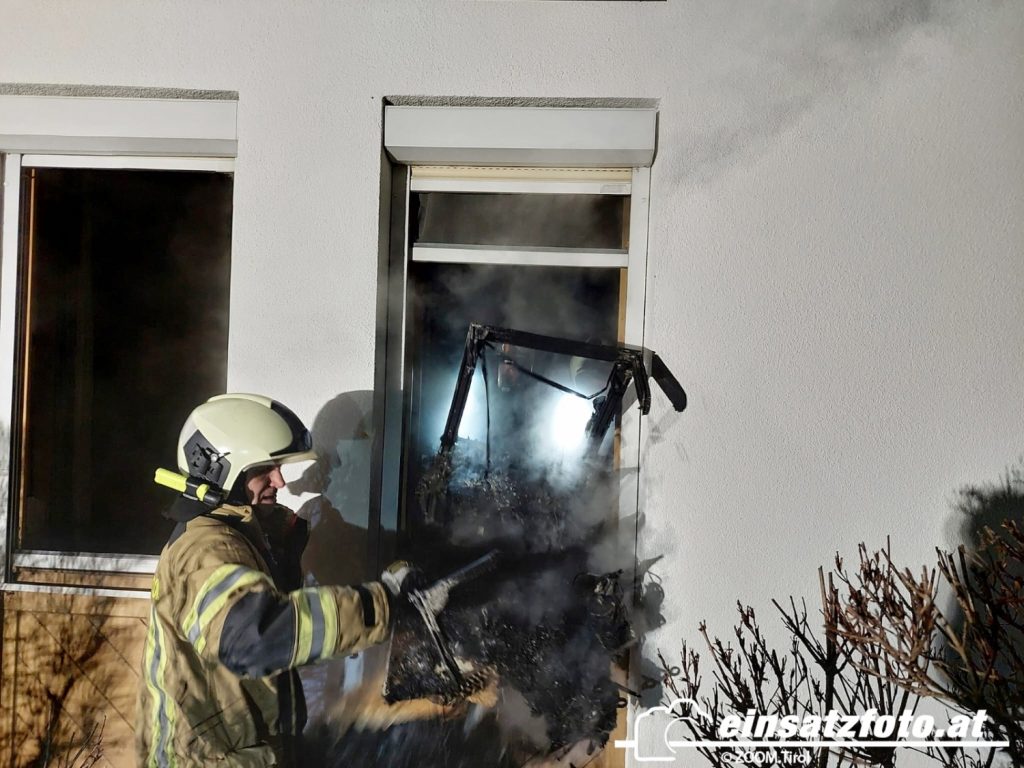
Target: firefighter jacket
(229,625)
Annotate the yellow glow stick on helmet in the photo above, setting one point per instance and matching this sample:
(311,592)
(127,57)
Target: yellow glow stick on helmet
(229,434)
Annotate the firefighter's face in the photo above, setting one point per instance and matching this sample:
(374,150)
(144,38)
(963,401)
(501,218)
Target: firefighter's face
(262,483)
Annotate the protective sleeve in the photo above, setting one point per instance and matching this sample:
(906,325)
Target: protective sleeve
(235,615)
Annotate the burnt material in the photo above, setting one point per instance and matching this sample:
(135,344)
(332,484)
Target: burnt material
(629,366)
(428,604)
(549,623)
(542,623)
(543,628)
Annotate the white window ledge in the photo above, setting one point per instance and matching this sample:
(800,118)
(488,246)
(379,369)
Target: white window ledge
(520,256)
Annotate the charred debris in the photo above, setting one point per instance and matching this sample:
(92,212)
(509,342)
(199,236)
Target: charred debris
(550,619)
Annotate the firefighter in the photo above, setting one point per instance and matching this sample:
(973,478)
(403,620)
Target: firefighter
(230,619)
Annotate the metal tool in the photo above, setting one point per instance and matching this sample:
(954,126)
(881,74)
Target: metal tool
(429,603)
(630,365)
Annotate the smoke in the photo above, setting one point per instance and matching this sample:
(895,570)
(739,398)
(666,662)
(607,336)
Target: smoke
(574,303)
(549,627)
(551,624)
(785,59)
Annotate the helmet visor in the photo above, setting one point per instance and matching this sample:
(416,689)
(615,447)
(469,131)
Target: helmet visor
(302,440)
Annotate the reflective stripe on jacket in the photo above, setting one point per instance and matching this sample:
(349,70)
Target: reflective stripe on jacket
(218,682)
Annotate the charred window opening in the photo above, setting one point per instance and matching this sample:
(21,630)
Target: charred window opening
(521,482)
(524,481)
(533,427)
(556,652)
(535,222)
(123,328)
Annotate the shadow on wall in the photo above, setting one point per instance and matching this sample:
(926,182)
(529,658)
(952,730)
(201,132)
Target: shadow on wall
(342,437)
(982,511)
(70,678)
(338,547)
(987,505)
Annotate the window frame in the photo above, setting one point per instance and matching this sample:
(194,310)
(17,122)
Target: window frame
(496,137)
(504,181)
(137,133)
(11,305)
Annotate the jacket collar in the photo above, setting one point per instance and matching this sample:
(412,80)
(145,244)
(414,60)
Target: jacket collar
(185,509)
(272,526)
(240,511)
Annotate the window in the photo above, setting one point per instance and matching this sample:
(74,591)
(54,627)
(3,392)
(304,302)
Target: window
(116,237)
(550,260)
(122,329)
(498,238)
(520,216)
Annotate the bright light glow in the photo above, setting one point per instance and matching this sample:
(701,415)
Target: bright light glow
(474,418)
(569,421)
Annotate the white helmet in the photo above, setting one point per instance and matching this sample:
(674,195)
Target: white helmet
(229,434)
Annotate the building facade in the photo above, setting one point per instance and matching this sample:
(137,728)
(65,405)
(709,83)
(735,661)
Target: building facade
(822,238)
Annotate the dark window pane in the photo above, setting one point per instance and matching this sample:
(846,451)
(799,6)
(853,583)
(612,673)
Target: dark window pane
(124,330)
(557,221)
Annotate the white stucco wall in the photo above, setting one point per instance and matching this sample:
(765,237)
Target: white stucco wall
(836,251)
